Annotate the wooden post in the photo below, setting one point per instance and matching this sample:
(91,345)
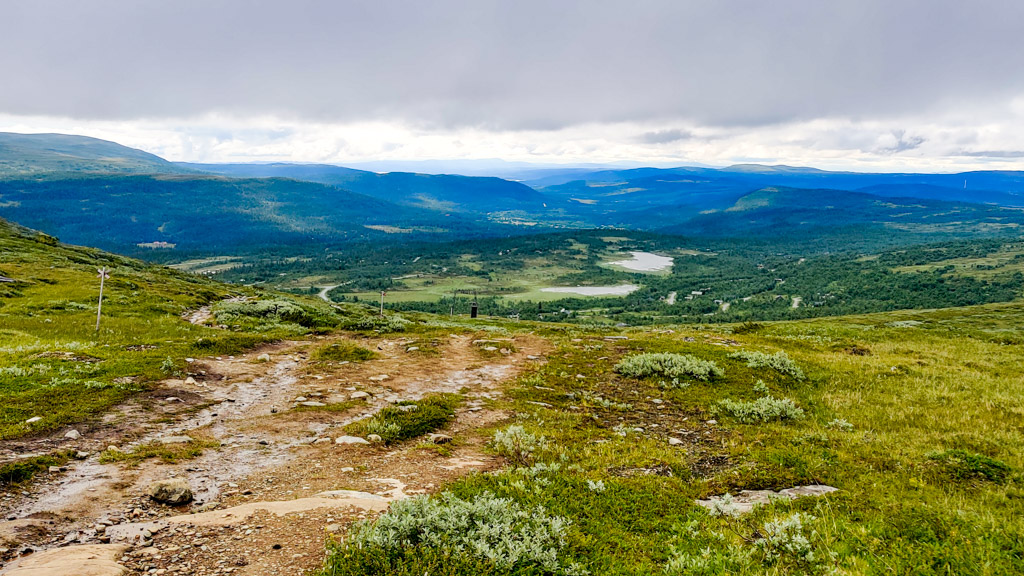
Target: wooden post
(104,274)
(382,293)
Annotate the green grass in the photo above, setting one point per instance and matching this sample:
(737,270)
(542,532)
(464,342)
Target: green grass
(54,364)
(342,352)
(409,419)
(929,474)
(22,471)
(167,453)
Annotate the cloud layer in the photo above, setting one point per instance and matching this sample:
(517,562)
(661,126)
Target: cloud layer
(932,80)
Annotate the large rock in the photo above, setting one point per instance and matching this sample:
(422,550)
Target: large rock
(350,440)
(174,492)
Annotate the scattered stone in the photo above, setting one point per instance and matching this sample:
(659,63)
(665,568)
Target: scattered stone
(490,348)
(674,442)
(380,378)
(350,440)
(408,407)
(440,438)
(711,422)
(358,395)
(263,358)
(374,438)
(33,420)
(174,440)
(81,455)
(348,469)
(53,469)
(173,492)
(312,404)
(73,434)
(301,399)
(746,500)
(190,380)
(412,348)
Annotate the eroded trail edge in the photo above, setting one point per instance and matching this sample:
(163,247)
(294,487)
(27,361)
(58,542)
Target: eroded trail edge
(273,480)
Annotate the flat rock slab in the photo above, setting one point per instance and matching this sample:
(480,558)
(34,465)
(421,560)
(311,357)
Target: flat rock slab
(133,531)
(88,560)
(238,514)
(745,501)
(174,440)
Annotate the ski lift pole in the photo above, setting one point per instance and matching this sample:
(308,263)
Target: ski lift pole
(382,293)
(103,274)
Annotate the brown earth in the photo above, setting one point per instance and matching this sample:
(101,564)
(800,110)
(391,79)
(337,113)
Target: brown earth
(278,486)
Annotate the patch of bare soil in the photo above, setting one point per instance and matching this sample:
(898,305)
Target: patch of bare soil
(278,486)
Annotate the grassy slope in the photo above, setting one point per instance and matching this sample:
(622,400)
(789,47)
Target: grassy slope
(936,381)
(53,364)
(23,155)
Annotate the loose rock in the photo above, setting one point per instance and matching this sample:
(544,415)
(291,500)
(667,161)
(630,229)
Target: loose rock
(173,492)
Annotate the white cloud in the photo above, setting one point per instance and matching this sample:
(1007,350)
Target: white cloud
(949,143)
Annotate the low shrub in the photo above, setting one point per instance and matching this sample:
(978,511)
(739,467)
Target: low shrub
(962,465)
(748,328)
(343,352)
(764,409)
(518,445)
(225,344)
(408,419)
(785,541)
(780,362)
(23,470)
(382,324)
(669,365)
(496,531)
(250,313)
(168,453)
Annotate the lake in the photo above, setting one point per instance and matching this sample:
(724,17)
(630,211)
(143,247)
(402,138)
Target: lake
(644,262)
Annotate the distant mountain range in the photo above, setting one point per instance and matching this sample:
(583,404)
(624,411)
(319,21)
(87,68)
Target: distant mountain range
(100,193)
(34,155)
(442,192)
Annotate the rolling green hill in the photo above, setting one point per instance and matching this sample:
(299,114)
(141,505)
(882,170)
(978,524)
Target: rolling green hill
(34,155)
(442,192)
(212,213)
(795,213)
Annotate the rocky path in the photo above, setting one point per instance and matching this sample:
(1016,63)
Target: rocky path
(279,484)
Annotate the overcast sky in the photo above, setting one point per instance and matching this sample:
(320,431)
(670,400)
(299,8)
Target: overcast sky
(868,85)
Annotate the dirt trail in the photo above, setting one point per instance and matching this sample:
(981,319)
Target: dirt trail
(278,484)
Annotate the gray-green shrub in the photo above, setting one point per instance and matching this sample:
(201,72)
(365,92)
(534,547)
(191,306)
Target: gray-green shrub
(669,365)
(499,530)
(518,445)
(780,362)
(764,409)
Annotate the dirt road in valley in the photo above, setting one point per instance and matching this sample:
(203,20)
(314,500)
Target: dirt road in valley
(278,485)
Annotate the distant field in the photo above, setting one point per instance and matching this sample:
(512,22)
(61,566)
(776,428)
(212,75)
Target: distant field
(1008,258)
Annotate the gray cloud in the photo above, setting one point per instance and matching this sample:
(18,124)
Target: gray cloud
(993,154)
(665,136)
(528,64)
(902,143)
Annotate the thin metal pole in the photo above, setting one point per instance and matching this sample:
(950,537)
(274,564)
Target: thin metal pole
(99,307)
(382,303)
